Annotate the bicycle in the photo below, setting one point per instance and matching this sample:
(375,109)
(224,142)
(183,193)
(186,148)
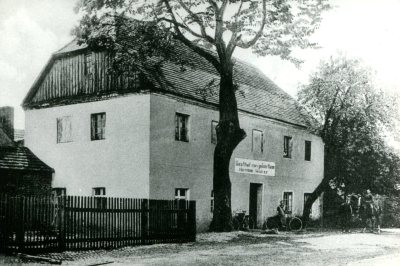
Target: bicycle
(243,222)
(274,223)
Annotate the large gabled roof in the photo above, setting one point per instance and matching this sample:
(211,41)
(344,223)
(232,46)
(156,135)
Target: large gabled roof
(257,94)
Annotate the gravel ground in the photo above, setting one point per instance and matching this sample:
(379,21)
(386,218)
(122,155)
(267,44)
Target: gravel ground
(249,248)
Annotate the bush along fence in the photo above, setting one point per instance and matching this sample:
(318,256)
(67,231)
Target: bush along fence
(45,224)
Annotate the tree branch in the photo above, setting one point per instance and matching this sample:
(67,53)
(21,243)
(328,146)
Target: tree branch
(232,42)
(219,30)
(250,43)
(199,21)
(214,5)
(179,35)
(183,26)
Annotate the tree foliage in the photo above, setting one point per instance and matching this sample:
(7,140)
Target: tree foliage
(354,116)
(212,29)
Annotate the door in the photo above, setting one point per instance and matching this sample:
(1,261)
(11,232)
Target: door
(255,203)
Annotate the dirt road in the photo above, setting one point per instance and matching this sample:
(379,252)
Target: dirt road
(255,248)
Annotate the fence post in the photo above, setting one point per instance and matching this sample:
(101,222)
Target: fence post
(144,220)
(60,201)
(192,221)
(3,224)
(20,234)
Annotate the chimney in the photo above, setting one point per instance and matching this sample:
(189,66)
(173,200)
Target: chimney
(7,121)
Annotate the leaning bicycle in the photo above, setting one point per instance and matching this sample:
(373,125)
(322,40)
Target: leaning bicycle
(242,221)
(293,223)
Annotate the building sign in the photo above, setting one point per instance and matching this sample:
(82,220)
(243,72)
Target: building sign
(254,167)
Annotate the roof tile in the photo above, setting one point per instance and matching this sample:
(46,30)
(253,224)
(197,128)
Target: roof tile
(257,94)
(21,158)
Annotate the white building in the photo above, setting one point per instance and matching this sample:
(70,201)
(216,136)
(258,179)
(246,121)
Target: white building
(131,137)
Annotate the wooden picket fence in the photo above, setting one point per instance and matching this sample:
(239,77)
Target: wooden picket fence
(43,224)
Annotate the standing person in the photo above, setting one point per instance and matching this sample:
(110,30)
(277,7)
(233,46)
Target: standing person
(281,213)
(368,197)
(368,210)
(346,212)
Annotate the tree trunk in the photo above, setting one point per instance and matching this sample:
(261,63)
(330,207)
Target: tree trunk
(313,197)
(330,170)
(229,135)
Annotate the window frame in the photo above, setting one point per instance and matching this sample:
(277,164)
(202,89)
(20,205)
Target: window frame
(55,191)
(95,133)
(307,151)
(287,147)
(305,197)
(64,126)
(100,200)
(288,207)
(178,127)
(178,196)
(261,148)
(103,189)
(214,125)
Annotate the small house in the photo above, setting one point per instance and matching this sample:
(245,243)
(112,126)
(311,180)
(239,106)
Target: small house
(22,173)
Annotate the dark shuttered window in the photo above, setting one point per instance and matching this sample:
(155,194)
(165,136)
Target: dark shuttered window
(288,200)
(287,146)
(214,132)
(98,126)
(307,150)
(181,127)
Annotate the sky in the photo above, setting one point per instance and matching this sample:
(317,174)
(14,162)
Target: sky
(31,30)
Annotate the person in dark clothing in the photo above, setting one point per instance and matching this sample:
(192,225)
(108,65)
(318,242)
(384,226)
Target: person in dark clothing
(281,213)
(369,211)
(368,198)
(346,212)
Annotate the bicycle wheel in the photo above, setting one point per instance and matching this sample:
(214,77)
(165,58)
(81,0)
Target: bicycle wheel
(295,224)
(271,223)
(236,223)
(244,226)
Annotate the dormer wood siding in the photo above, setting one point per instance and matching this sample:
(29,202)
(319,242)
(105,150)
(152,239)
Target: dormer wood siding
(77,75)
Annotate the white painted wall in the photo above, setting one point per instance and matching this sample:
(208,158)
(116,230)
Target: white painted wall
(176,164)
(140,157)
(120,162)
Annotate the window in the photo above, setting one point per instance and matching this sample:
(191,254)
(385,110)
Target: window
(181,127)
(287,147)
(306,197)
(64,129)
(88,63)
(98,126)
(288,200)
(258,139)
(99,191)
(59,191)
(181,193)
(307,150)
(214,132)
(212,201)
(100,201)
